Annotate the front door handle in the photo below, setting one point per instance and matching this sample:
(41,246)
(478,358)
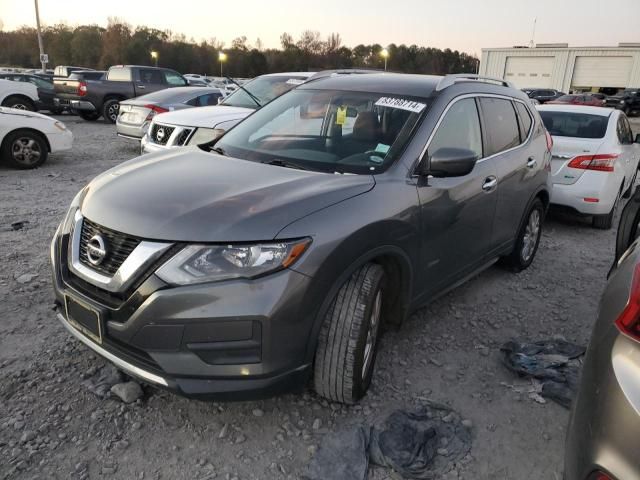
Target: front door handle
(489,183)
(531,162)
(141,87)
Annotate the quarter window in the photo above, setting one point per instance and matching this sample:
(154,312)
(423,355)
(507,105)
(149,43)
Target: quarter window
(525,120)
(460,128)
(502,124)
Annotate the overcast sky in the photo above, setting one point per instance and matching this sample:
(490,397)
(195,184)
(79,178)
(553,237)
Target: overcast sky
(466,25)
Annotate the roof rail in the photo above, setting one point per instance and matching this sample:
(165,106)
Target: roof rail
(452,79)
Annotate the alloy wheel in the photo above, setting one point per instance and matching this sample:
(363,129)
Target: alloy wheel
(531,233)
(26,151)
(372,333)
(113,110)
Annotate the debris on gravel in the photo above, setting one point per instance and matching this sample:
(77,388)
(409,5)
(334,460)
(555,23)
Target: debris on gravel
(101,380)
(128,392)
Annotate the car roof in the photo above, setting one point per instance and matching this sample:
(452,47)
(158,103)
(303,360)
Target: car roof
(602,111)
(289,74)
(393,83)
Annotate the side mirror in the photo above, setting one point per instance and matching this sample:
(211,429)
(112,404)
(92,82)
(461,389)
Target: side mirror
(449,162)
(637,138)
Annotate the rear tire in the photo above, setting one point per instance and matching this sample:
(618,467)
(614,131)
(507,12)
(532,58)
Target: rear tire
(347,345)
(110,110)
(528,239)
(19,103)
(89,116)
(605,222)
(24,149)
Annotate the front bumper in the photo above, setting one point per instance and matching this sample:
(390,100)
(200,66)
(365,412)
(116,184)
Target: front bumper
(60,141)
(228,340)
(605,423)
(82,106)
(147,146)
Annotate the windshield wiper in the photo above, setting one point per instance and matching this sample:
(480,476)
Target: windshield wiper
(284,163)
(251,95)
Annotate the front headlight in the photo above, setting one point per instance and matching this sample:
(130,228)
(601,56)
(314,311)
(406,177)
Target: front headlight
(212,263)
(205,135)
(65,226)
(60,126)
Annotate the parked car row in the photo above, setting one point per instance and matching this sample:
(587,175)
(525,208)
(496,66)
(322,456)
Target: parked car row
(627,100)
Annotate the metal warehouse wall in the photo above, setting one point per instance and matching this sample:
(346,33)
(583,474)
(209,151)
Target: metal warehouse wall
(494,61)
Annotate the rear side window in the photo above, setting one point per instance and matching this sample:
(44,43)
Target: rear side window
(501,124)
(119,74)
(624,131)
(525,120)
(154,77)
(578,125)
(460,128)
(206,100)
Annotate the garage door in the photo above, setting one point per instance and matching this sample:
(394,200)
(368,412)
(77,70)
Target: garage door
(529,72)
(602,72)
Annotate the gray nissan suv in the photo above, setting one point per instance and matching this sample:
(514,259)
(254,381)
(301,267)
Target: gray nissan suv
(245,267)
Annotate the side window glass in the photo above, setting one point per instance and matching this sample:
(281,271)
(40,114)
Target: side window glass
(502,125)
(207,100)
(525,120)
(620,131)
(151,76)
(628,133)
(174,79)
(460,128)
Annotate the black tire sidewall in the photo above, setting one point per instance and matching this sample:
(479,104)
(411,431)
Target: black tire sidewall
(8,143)
(360,384)
(12,101)
(89,116)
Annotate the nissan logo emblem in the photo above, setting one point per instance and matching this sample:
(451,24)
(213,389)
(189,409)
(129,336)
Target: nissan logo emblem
(96,250)
(160,134)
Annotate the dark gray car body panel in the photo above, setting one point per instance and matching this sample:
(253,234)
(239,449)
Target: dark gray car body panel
(431,232)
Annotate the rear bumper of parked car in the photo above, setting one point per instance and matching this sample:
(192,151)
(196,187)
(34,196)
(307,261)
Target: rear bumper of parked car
(234,339)
(82,106)
(132,132)
(602,186)
(605,423)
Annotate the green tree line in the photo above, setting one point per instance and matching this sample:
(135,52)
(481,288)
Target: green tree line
(120,43)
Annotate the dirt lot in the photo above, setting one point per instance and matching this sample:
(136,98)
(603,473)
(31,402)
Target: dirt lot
(51,427)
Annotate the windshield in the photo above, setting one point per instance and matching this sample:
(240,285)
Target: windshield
(578,125)
(327,130)
(264,89)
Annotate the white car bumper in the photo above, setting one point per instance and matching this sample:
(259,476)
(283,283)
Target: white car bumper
(147,146)
(60,141)
(603,186)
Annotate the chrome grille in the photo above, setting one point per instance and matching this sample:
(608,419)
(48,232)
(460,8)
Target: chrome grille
(160,134)
(118,247)
(183,137)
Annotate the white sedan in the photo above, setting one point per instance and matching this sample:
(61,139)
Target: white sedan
(595,159)
(26,138)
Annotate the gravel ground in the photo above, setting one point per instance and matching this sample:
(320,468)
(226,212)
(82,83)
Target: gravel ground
(52,427)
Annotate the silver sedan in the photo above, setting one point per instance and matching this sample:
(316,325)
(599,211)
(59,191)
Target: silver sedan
(136,113)
(602,440)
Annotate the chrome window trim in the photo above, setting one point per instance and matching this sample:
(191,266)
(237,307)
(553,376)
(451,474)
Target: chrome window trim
(140,258)
(476,95)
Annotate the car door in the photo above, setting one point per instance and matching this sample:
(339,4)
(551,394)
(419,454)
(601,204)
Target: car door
(457,212)
(149,80)
(509,127)
(628,159)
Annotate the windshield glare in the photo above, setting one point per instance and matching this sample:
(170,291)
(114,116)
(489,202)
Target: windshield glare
(264,89)
(327,130)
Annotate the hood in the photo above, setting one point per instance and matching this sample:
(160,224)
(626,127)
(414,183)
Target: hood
(26,113)
(193,196)
(206,117)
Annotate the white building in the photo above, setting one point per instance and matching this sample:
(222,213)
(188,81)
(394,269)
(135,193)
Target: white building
(565,68)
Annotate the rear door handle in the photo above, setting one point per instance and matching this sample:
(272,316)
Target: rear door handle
(489,183)
(141,87)
(531,162)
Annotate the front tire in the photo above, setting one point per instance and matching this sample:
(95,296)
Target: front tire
(24,149)
(110,110)
(348,340)
(19,103)
(528,239)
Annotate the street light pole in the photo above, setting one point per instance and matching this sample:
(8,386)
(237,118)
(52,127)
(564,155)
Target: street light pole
(222,57)
(154,55)
(41,47)
(385,54)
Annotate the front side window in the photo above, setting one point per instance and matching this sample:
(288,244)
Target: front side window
(460,128)
(327,130)
(264,89)
(501,123)
(578,125)
(173,78)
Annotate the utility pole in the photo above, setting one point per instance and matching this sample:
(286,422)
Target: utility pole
(532,43)
(43,58)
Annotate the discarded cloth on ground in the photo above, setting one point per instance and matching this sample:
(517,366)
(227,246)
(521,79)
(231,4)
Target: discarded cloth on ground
(555,363)
(422,444)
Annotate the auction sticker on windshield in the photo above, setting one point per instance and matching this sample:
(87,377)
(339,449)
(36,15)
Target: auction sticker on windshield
(401,103)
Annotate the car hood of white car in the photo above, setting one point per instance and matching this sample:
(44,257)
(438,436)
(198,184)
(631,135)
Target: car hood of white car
(203,117)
